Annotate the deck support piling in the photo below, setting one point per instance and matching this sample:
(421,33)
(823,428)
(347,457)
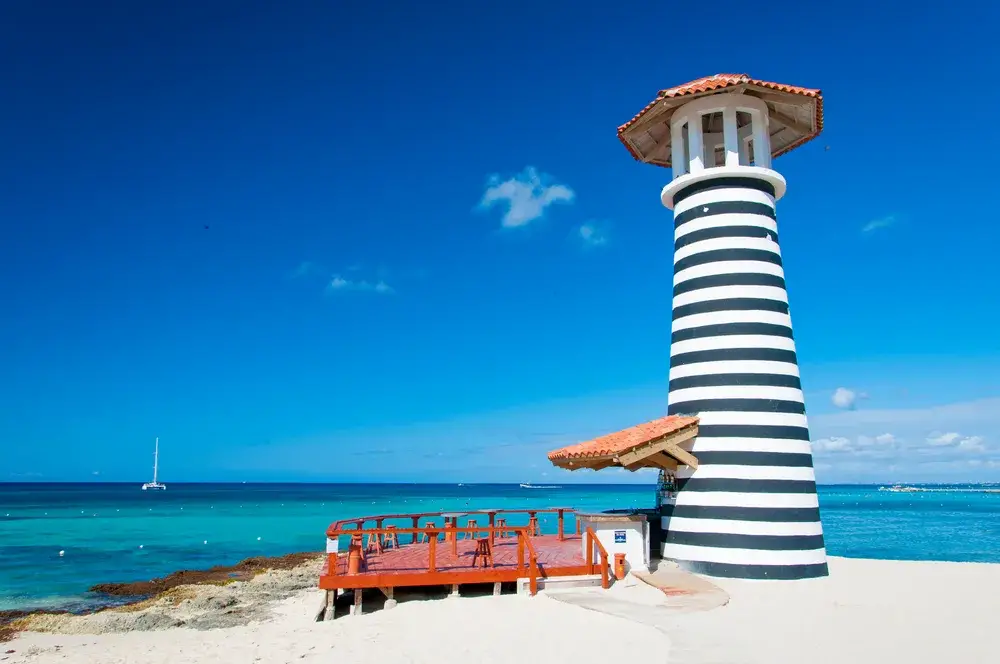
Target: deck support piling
(496,588)
(357,609)
(454,590)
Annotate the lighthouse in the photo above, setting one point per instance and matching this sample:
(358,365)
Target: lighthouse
(750,508)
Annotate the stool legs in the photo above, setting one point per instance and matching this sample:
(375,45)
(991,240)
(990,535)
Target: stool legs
(484,553)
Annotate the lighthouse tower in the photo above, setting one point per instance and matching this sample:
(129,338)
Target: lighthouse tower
(750,508)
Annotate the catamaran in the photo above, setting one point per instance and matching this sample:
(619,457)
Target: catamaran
(156,463)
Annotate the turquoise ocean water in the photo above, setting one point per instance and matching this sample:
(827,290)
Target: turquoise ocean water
(115,532)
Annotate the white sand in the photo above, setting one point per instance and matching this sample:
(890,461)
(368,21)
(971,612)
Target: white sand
(867,611)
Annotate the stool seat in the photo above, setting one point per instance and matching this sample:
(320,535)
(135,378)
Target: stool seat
(423,536)
(391,539)
(533,528)
(472,523)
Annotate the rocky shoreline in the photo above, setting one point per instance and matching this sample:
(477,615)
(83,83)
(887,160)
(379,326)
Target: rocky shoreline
(221,596)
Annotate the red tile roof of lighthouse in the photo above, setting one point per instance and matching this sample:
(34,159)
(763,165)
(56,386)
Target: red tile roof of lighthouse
(718,82)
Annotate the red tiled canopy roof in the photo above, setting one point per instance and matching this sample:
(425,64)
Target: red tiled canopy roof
(718,82)
(624,441)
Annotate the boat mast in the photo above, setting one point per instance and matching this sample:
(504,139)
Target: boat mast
(156,459)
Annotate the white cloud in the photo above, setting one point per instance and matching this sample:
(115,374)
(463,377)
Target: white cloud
(925,444)
(881,222)
(341,284)
(844,398)
(942,439)
(591,235)
(526,196)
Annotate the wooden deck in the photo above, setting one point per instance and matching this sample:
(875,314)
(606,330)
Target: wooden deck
(434,556)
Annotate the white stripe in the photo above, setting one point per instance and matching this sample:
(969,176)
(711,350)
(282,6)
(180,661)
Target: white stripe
(724,341)
(734,527)
(728,267)
(736,366)
(720,471)
(727,243)
(726,444)
(707,554)
(725,317)
(775,293)
(742,499)
(765,419)
(724,220)
(727,194)
(736,392)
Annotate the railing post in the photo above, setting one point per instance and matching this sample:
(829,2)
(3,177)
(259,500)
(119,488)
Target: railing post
(432,551)
(560,525)
(520,550)
(605,581)
(533,577)
(416,525)
(590,553)
(331,563)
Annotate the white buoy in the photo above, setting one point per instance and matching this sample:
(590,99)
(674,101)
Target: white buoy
(62,553)
(205,542)
(140,546)
(258,539)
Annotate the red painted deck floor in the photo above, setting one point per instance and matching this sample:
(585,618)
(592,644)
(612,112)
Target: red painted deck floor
(555,558)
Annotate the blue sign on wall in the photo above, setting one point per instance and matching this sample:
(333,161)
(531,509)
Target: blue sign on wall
(619,537)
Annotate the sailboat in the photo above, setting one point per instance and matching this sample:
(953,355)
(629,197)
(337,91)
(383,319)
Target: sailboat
(156,463)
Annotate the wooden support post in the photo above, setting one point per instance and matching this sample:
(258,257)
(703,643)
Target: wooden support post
(390,601)
(492,521)
(561,525)
(416,524)
(358,596)
(496,588)
(520,550)
(328,610)
(432,551)
(454,590)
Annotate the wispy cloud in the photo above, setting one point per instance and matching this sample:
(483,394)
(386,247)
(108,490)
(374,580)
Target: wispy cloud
(591,235)
(306,269)
(955,442)
(339,284)
(881,222)
(525,196)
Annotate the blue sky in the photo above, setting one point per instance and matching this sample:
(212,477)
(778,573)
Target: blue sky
(327,241)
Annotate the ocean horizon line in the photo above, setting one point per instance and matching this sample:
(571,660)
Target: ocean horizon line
(480,484)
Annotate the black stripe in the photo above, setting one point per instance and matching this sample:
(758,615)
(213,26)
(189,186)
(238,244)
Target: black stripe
(736,406)
(736,279)
(722,255)
(752,431)
(715,380)
(745,486)
(772,572)
(773,514)
(731,541)
(779,459)
(729,182)
(730,304)
(729,329)
(733,355)
(723,207)
(758,232)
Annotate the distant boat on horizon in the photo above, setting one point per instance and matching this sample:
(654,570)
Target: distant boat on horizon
(156,465)
(528,485)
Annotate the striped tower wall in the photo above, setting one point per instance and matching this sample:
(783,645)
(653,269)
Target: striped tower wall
(750,510)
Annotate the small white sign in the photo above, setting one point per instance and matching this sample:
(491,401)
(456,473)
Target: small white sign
(332,544)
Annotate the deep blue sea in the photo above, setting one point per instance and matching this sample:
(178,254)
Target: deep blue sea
(115,532)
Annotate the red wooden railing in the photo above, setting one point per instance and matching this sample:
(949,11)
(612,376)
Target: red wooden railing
(591,541)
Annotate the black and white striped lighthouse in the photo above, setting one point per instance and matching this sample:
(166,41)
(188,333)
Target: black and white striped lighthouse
(750,509)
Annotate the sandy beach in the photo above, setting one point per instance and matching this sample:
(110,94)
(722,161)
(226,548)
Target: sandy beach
(866,611)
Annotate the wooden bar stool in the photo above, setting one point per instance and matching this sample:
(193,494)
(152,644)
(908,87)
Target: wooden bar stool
(471,524)
(483,554)
(424,537)
(391,540)
(533,528)
(374,544)
(501,524)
